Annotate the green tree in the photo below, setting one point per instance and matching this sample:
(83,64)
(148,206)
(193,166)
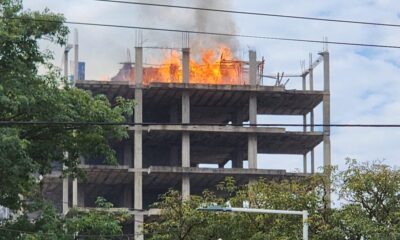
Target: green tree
(372,194)
(370,208)
(26,95)
(181,220)
(41,221)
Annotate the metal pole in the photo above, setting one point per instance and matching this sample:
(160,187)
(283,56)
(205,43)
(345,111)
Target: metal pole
(305,225)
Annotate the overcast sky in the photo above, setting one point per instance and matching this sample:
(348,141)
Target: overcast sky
(365,82)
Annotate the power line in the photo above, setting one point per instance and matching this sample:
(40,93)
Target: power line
(207,33)
(127,124)
(254,13)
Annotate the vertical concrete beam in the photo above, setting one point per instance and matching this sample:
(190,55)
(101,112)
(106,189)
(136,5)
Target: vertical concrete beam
(138,148)
(74,192)
(127,196)
(76,57)
(237,160)
(173,114)
(252,151)
(327,121)
(253,68)
(311,79)
(304,127)
(65,194)
(252,138)
(185,119)
(174,150)
(81,196)
(186,65)
(326,111)
(128,153)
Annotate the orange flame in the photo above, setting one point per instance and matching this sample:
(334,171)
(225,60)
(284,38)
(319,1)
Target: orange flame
(214,67)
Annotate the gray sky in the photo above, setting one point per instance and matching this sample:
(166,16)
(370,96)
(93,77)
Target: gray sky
(364,81)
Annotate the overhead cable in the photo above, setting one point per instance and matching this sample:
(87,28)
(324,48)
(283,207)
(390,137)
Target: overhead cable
(149,124)
(207,33)
(253,13)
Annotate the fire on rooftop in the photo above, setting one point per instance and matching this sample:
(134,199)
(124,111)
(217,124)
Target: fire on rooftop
(213,66)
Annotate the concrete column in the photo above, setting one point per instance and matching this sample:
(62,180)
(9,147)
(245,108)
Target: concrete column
(186,65)
(252,138)
(128,153)
(311,79)
(252,68)
(65,194)
(76,57)
(252,151)
(138,152)
(327,119)
(173,114)
(304,127)
(81,196)
(185,119)
(174,156)
(74,192)
(326,110)
(127,196)
(237,160)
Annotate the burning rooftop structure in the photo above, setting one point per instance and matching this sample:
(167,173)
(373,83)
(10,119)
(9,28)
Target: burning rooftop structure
(213,66)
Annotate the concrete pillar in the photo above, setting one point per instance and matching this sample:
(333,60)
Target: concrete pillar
(252,151)
(304,127)
(252,68)
(237,156)
(327,120)
(127,197)
(76,57)
(185,119)
(252,138)
(173,114)
(326,111)
(81,196)
(128,153)
(311,79)
(74,192)
(174,156)
(65,194)
(186,65)
(138,152)
(237,160)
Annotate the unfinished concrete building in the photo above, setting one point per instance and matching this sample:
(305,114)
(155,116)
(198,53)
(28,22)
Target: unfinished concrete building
(178,125)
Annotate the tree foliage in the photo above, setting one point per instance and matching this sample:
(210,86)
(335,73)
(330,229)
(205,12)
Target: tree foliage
(369,194)
(27,95)
(41,221)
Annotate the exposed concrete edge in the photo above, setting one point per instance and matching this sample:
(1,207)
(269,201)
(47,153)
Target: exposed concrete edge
(222,171)
(195,86)
(222,129)
(103,167)
(208,128)
(149,212)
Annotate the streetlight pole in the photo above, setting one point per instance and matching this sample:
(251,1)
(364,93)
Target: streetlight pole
(304,214)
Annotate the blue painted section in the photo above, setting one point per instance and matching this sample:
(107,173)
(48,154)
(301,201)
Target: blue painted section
(81,71)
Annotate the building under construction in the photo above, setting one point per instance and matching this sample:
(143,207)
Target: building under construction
(189,120)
